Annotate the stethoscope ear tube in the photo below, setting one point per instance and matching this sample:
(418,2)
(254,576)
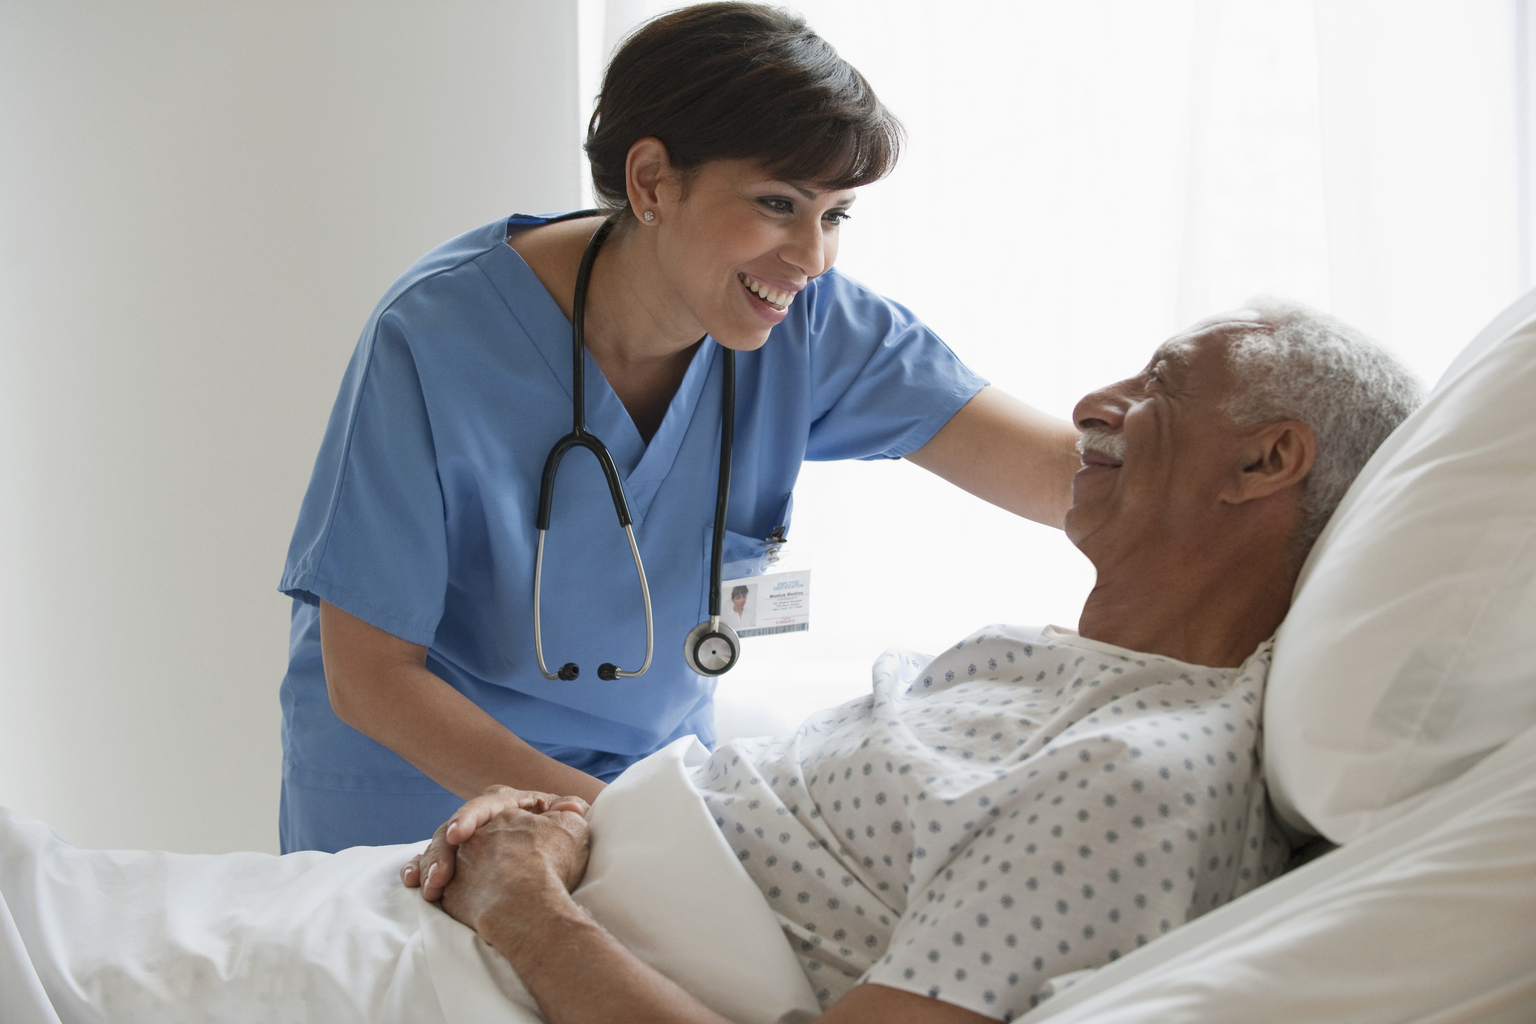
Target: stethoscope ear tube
(606,671)
(711,647)
(569,670)
(552,469)
(579,438)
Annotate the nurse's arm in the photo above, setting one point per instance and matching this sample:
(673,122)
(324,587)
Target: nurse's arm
(380,685)
(1009,453)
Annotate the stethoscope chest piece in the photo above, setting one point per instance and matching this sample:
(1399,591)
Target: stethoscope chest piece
(711,648)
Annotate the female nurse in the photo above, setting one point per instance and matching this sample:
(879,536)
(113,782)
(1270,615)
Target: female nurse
(725,148)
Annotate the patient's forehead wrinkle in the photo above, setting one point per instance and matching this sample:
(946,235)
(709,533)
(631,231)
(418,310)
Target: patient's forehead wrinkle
(1174,351)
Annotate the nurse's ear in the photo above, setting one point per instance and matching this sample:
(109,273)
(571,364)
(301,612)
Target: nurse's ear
(650,179)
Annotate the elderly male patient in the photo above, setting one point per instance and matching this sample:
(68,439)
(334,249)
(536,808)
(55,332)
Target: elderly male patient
(1030,802)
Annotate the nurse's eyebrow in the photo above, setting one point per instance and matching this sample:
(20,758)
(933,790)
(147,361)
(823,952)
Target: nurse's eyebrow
(809,192)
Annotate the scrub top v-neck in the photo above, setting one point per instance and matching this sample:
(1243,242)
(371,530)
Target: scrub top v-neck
(419,517)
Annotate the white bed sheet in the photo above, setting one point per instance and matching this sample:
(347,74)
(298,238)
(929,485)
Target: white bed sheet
(1429,920)
(128,936)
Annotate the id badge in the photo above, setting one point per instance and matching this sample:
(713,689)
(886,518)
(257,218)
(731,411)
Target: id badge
(778,602)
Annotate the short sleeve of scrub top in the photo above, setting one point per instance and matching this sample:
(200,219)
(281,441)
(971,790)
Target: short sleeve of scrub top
(419,517)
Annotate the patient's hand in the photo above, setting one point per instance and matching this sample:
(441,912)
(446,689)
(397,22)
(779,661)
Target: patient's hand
(512,859)
(433,868)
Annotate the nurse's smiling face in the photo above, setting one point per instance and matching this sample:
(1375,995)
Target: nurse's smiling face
(735,246)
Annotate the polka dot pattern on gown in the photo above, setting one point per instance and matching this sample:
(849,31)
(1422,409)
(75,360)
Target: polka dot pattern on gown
(1027,804)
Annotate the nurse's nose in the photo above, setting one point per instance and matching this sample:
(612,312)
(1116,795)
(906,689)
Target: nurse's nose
(807,249)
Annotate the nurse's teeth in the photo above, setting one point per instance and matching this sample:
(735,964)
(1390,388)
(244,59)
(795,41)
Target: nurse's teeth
(767,294)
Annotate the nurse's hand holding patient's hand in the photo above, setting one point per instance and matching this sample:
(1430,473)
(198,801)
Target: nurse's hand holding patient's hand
(516,866)
(433,868)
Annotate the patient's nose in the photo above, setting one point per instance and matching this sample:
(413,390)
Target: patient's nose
(1101,408)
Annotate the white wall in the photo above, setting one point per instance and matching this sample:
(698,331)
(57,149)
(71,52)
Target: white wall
(199,205)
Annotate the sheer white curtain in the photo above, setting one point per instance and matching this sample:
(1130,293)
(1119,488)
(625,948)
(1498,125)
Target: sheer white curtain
(1084,179)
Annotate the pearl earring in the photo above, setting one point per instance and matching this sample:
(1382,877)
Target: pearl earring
(649,216)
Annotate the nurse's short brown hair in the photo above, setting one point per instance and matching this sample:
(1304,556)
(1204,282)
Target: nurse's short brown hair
(739,81)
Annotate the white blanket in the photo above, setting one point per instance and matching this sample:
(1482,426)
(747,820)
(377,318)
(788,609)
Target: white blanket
(89,936)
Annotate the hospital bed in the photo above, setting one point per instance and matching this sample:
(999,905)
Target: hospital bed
(1400,725)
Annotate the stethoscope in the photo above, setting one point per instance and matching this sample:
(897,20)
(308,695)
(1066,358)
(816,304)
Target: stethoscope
(711,648)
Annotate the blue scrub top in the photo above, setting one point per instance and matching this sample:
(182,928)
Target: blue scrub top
(419,517)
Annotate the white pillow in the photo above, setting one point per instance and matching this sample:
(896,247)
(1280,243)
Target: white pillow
(1410,651)
(1429,920)
(665,882)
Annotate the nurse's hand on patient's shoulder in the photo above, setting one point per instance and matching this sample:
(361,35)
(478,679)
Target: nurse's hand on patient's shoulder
(433,868)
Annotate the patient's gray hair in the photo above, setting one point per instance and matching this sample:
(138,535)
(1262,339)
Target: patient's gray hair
(1299,364)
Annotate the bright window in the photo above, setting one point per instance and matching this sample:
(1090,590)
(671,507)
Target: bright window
(1083,180)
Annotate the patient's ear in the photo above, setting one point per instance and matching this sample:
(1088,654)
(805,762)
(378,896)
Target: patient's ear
(1276,456)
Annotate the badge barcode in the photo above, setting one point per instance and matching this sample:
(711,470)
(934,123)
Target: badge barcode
(795,627)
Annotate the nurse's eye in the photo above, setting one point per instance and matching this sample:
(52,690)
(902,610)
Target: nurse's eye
(836,217)
(778,204)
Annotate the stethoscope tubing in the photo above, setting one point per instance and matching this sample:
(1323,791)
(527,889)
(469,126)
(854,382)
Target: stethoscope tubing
(580,437)
(723,487)
(538,631)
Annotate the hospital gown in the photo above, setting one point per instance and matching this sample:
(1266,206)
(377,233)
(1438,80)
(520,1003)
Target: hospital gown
(1028,804)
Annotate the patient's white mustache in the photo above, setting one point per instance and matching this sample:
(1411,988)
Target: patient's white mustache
(1101,440)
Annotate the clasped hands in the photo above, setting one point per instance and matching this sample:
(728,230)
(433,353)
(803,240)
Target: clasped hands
(500,846)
